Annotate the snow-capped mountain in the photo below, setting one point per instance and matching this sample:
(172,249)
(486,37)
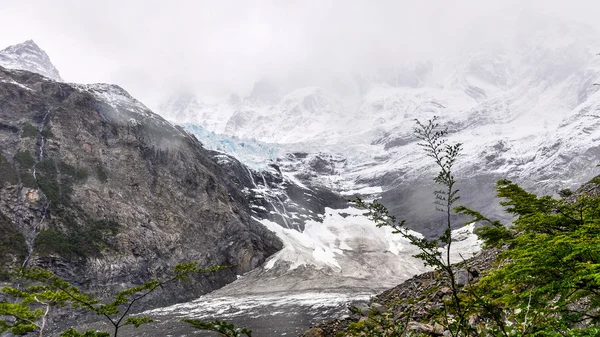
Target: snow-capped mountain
(525,109)
(28,56)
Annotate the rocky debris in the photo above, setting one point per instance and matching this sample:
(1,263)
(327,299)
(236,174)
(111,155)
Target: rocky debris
(414,302)
(590,189)
(434,329)
(315,332)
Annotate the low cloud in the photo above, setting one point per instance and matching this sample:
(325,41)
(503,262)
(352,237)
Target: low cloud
(152,48)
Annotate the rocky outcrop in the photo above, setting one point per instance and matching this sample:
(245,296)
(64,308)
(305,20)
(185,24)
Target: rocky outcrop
(412,302)
(108,194)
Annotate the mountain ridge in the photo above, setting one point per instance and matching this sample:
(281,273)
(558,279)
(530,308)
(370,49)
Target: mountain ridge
(97,165)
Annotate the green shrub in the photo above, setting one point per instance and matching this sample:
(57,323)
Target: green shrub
(47,167)
(82,174)
(72,171)
(26,162)
(27,179)
(25,159)
(7,173)
(102,176)
(565,193)
(29,131)
(47,133)
(52,241)
(78,242)
(51,189)
(56,180)
(12,241)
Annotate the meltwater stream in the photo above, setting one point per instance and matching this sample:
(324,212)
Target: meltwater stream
(268,315)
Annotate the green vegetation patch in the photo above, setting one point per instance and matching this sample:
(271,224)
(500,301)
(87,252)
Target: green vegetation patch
(47,133)
(102,176)
(12,242)
(27,179)
(29,131)
(51,189)
(77,242)
(7,172)
(56,180)
(25,159)
(47,167)
(72,171)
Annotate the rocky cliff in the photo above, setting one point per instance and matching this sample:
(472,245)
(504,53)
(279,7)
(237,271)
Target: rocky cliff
(96,187)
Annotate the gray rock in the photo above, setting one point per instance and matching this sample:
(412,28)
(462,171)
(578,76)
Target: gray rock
(376,307)
(463,277)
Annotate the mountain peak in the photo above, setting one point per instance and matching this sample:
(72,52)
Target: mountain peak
(29,56)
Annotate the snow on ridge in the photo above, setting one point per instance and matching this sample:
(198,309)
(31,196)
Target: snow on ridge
(29,56)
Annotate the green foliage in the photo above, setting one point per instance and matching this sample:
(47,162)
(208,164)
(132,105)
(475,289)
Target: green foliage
(565,193)
(549,279)
(51,189)
(24,318)
(89,333)
(56,180)
(50,241)
(47,133)
(444,156)
(493,236)
(223,328)
(43,289)
(29,131)
(28,304)
(7,173)
(56,189)
(27,179)
(73,172)
(12,241)
(383,324)
(101,173)
(137,321)
(25,159)
(80,242)
(47,167)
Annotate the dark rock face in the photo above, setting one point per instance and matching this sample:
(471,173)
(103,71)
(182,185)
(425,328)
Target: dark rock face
(267,194)
(108,194)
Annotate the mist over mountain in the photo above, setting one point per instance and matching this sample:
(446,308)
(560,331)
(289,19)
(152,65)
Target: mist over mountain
(523,109)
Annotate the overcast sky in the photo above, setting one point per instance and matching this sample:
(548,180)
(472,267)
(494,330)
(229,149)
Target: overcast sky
(154,47)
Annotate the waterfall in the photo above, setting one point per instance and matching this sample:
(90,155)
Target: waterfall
(40,129)
(282,215)
(36,231)
(251,177)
